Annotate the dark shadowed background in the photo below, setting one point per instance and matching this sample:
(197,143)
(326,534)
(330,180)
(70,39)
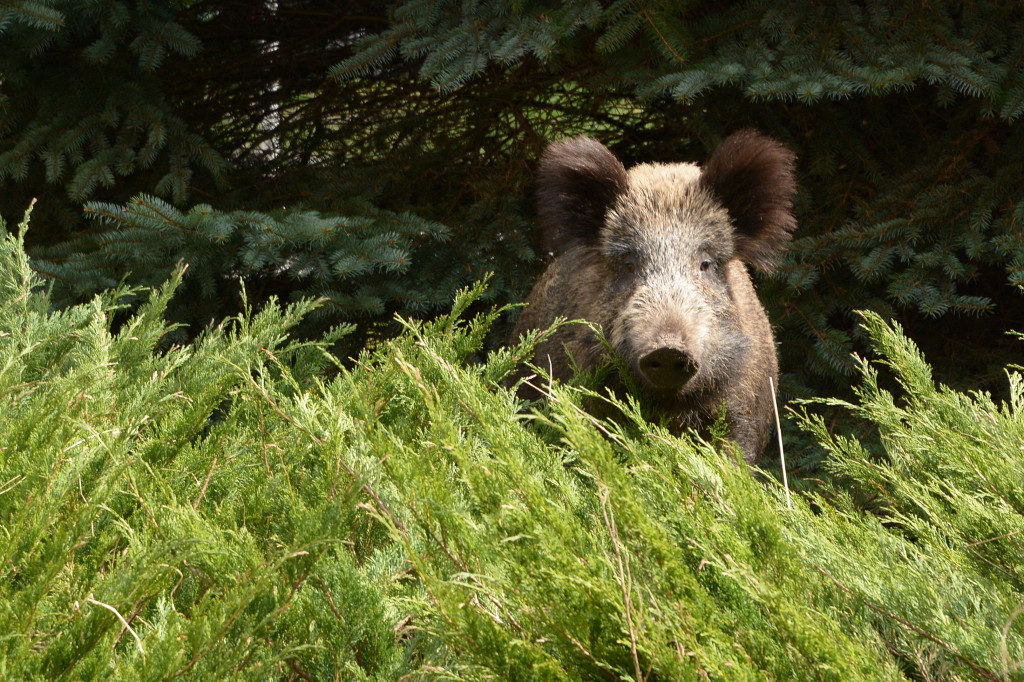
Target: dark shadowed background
(382,155)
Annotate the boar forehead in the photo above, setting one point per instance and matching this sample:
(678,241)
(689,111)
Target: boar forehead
(665,211)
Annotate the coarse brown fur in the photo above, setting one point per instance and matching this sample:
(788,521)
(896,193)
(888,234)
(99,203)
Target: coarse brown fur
(656,256)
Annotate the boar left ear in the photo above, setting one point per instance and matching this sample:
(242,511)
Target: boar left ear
(577,182)
(753,176)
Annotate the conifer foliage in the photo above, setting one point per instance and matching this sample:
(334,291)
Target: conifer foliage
(902,116)
(247,505)
(298,253)
(221,511)
(96,111)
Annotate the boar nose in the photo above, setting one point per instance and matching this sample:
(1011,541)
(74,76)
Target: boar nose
(667,367)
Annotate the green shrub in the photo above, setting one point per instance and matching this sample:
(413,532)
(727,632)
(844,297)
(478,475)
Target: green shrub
(244,507)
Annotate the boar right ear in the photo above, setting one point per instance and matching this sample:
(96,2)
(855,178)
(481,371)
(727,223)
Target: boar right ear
(577,182)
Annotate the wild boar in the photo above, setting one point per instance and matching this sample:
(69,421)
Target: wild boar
(657,256)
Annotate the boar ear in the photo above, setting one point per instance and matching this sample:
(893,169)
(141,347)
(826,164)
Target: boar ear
(753,176)
(577,182)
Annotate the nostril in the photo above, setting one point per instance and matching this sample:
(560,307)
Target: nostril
(667,367)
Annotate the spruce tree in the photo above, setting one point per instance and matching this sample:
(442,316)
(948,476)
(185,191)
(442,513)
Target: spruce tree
(250,505)
(408,133)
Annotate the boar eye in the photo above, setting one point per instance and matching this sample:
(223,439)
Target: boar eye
(705,264)
(628,265)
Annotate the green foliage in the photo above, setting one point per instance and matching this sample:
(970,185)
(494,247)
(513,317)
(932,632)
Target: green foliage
(95,114)
(949,498)
(300,111)
(298,253)
(902,118)
(37,15)
(142,520)
(224,510)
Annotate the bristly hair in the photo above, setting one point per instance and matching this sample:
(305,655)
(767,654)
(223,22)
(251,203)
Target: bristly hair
(754,178)
(577,182)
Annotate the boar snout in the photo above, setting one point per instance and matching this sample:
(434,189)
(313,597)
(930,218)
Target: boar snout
(667,368)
